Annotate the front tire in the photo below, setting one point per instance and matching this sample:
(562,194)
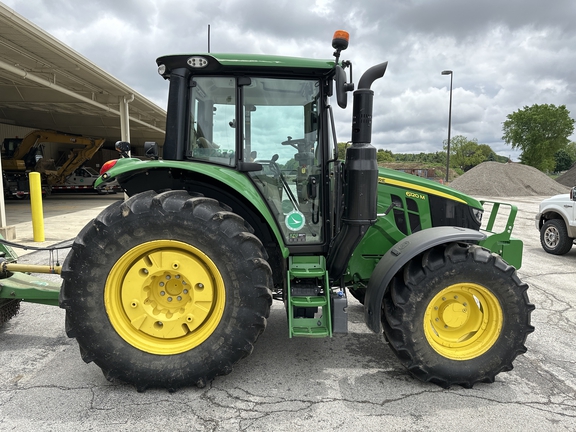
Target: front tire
(457,315)
(554,237)
(166,290)
(9,308)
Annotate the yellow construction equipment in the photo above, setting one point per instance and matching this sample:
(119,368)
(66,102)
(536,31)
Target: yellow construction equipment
(22,155)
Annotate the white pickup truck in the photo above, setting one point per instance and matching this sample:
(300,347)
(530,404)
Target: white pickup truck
(556,221)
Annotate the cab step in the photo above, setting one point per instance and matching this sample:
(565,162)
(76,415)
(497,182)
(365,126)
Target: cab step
(309,311)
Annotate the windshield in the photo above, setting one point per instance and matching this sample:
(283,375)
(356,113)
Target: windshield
(91,171)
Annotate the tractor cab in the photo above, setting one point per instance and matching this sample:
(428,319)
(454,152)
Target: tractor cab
(269,118)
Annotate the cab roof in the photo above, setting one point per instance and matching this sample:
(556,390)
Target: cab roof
(217,63)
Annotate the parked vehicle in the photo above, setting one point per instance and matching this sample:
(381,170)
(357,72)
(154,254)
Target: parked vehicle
(82,180)
(556,221)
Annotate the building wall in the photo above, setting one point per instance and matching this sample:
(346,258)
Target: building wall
(11,131)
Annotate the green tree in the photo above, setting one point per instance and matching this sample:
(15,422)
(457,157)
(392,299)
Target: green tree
(431,158)
(438,158)
(465,153)
(539,131)
(571,149)
(292,164)
(565,157)
(486,151)
(562,160)
(383,156)
(342,146)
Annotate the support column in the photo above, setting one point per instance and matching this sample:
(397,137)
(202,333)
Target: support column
(8,232)
(125,117)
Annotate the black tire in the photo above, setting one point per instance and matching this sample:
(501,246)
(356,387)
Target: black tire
(554,237)
(457,315)
(122,313)
(9,308)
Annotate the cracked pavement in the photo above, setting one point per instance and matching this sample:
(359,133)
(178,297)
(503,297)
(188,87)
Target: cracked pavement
(347,383)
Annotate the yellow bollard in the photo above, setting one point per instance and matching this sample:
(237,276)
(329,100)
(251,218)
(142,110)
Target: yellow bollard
(36,205)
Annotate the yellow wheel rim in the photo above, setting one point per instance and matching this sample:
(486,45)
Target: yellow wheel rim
(463,321)
(164,297)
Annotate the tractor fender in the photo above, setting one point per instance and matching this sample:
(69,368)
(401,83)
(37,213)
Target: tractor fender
(402,252)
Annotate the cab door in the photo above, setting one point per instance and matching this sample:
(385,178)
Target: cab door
(281,133)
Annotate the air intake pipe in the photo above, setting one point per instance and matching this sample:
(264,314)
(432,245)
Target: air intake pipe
(360,177)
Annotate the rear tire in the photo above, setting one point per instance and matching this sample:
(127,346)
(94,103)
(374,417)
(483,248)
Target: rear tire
(457,315)
(554,237)
(166,290)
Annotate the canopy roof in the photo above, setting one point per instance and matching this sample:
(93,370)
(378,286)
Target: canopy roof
(45,84)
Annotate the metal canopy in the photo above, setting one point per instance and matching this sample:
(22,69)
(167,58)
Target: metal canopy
(44,84)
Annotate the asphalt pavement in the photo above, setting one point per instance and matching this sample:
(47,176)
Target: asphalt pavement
(346,383)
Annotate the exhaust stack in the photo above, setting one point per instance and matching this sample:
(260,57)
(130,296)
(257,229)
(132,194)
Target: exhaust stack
(360,177)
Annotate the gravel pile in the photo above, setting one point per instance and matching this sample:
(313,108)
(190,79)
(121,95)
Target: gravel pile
(569,177)
(494,179)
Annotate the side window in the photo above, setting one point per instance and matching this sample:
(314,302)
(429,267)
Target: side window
(212,122)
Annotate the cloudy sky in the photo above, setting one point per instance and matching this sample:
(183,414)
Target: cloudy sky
(505,55)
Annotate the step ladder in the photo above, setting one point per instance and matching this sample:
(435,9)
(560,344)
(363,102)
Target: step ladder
(308,298)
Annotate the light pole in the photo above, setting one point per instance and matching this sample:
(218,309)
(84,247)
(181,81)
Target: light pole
(449,72)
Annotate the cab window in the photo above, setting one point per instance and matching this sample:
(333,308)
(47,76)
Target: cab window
(212,130)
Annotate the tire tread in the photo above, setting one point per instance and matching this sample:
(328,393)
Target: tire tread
(171,214)
(401,321)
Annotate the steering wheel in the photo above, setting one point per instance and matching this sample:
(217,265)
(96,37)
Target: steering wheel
(294,142)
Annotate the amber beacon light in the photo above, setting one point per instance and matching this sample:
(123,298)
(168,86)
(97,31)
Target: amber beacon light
(340,40)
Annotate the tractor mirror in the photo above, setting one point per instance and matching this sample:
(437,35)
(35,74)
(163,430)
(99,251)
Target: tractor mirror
(341,95)
(123,148)
(151,149)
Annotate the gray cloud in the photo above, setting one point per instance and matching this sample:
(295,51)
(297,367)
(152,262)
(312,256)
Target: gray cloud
(505,55)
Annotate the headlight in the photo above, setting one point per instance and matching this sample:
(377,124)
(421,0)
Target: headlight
(477,213)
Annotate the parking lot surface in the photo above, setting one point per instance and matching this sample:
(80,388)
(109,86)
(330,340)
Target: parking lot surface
(346,383)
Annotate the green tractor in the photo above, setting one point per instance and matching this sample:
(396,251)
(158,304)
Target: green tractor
(249,203)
